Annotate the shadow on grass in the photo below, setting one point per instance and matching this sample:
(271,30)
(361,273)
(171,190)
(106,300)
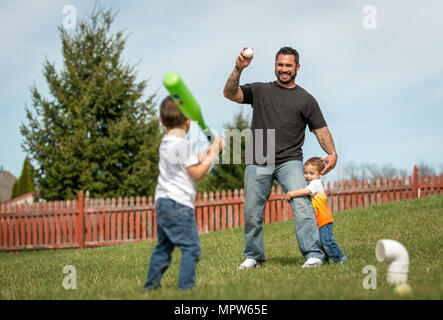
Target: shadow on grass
(287,261)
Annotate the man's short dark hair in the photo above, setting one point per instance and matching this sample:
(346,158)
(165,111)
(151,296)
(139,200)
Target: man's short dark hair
(288,51)
(170,115)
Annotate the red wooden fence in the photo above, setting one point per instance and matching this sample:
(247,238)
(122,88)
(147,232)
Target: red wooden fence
(98,222)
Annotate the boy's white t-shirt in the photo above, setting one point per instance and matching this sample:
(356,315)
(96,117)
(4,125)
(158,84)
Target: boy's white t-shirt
(315,186)
(174,181)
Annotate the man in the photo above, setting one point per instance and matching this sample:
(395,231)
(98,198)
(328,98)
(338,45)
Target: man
(286,108)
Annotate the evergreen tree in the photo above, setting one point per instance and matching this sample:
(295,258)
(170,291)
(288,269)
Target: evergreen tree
(229,176)
(25,182)
(95,132)
(15,192)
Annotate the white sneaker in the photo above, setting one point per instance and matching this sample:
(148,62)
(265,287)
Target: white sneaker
(312,262)
(249,263)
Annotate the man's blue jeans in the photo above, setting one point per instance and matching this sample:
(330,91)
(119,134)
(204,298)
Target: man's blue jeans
(176,226)
(258,183)
(330,247)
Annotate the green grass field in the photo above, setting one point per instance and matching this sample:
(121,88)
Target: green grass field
(119,272)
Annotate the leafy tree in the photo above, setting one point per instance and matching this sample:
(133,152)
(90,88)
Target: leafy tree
(95,132)
(229,176)
(25,182)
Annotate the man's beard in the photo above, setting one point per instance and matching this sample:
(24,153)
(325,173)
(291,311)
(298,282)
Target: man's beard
(290,79)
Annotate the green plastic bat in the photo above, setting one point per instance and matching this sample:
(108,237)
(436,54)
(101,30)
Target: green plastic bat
(186,101)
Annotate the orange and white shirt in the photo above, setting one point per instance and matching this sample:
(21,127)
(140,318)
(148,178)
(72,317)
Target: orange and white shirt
(318,197)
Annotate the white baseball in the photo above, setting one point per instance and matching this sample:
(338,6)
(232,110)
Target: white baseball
(248,53)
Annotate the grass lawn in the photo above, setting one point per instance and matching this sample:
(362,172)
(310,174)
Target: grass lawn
(119,272)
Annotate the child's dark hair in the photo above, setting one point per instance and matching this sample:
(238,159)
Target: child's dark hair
(315,162)
(170,115)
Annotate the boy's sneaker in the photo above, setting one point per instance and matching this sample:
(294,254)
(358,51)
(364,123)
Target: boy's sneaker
(312,262)
(149,288)
(342,260)
(250,263)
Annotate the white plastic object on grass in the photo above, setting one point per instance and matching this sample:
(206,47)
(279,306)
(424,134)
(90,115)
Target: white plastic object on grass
(396,256)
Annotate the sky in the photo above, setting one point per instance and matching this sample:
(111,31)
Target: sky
(374,67)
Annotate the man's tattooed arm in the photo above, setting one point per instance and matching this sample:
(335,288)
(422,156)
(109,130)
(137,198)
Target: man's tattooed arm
(232,90)
(325,140)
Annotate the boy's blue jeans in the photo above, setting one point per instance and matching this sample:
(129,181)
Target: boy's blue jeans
(330,247)
(176,226)
(258,183)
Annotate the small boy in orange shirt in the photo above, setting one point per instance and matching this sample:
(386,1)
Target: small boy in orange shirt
(312,169)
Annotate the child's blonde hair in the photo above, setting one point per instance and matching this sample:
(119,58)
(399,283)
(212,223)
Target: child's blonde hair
(315,162)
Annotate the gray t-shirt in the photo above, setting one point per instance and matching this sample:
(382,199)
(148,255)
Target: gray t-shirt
(288,111)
